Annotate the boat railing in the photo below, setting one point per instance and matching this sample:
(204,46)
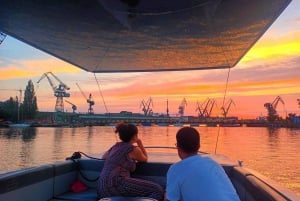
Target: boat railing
(168,147)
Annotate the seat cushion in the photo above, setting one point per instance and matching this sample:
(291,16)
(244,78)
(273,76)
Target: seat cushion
(117,198)
(88,195)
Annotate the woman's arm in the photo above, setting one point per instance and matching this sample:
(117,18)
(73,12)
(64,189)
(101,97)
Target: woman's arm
(139,153)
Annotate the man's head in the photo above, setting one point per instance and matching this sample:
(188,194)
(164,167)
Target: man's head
(188,140)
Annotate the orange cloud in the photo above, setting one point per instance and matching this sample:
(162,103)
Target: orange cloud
(35,68)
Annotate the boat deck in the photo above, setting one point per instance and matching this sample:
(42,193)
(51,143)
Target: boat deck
(52,182)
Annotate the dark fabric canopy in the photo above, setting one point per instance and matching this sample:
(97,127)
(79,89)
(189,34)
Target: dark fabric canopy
(141,35)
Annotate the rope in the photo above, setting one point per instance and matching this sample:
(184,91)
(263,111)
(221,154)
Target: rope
(90,156)
(104,102)
(77,155)
(165,147)
(224,97)
(226,56)
(101,93)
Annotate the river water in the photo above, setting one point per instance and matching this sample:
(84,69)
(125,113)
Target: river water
(272,152)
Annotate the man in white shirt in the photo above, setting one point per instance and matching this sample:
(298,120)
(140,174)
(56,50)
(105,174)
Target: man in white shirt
(196,178)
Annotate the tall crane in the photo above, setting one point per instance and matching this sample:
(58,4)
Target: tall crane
(199,108)
(210,107)
(146,106)
(181,107)
(271,107)
(205,109)
(74,107)
(59,91)
(89,100)
(225,108)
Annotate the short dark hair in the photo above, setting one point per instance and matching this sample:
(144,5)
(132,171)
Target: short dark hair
(126,131)
(188,139)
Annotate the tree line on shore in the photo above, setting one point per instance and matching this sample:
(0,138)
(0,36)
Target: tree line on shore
(16,110)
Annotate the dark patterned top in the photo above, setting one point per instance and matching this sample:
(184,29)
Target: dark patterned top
(117,162)
(115,180)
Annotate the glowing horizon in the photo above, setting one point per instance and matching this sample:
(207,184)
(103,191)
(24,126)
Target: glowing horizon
(269,69)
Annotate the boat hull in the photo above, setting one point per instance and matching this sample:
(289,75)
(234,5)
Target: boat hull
(52,182)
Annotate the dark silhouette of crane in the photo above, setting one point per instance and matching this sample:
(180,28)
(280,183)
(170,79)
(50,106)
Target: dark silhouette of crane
(225,108)
(181,107)
(205,109)
(59,91)
(146,106)
(210,107)
(199,108)
(74,107)
(271,107)
(89,100)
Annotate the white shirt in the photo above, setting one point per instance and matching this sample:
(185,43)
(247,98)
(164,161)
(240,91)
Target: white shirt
(199,178)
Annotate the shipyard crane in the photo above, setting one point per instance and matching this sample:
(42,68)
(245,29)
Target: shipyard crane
(59,90)
(199,109)
(89,100)
(181,107)
(146,106)
(2,37)
(225,108)
(74,107)
(271,107)
(205,109)
(208,107)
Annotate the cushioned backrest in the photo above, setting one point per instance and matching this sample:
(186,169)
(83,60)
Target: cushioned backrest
(89,171)
(65,173)
(34,184)
(250,187)
(152,169)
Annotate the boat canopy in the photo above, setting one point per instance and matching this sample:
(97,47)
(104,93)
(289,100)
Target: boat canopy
(141,35)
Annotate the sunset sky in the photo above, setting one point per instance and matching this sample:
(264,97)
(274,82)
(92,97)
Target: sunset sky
(270,69)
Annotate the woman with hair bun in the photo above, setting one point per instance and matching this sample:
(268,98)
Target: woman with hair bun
(120,161)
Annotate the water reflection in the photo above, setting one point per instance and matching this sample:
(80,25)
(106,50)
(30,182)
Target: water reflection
(27,134)
(90,131)
(272,131)
(273,137)
(272,152)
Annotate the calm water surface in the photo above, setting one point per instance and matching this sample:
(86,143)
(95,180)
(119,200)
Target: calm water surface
(272,152)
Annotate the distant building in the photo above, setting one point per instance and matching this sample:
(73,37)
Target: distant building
(296,119)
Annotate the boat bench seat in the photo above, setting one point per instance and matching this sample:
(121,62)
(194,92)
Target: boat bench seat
(88,195)
(251,188)
(152,172)
(87,171)
(53,182)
